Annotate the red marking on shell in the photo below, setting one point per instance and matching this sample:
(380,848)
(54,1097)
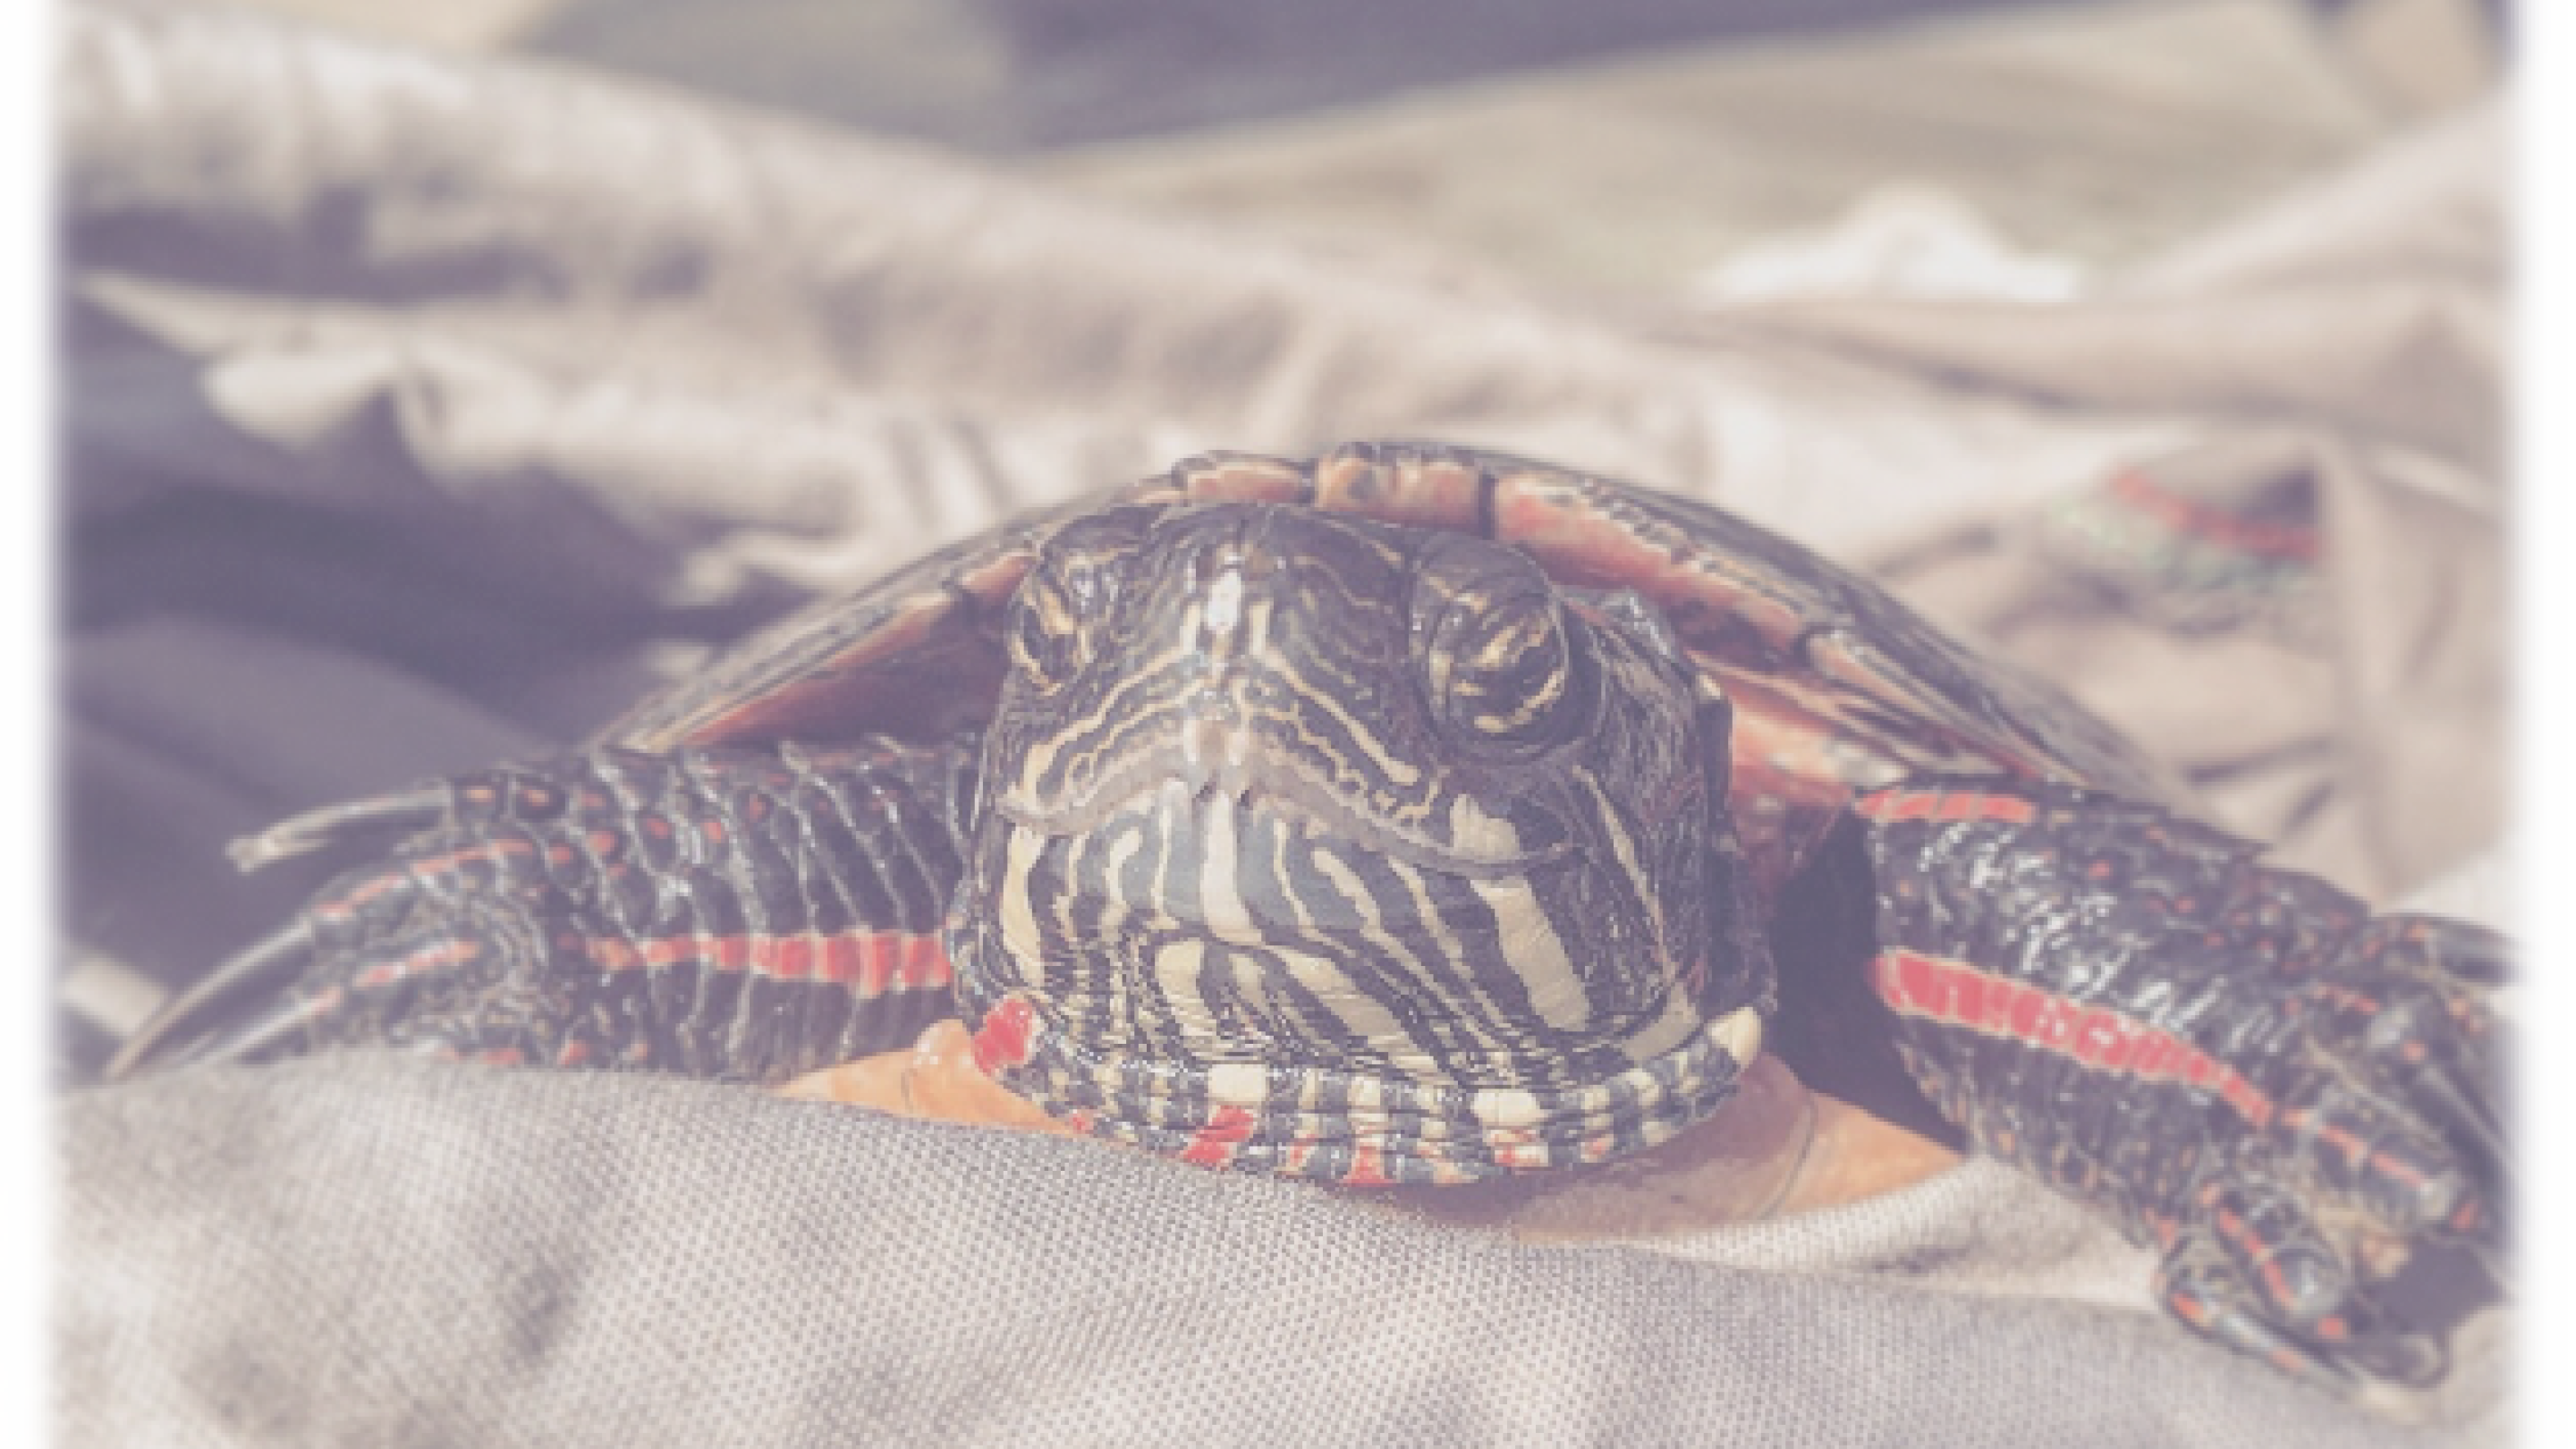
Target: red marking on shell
(1436,493)
(502,1057)
(1005,1039)
(1368,1166)
(1578,540)
(1891,806)
(1245,479)
(1956,993)
(993,581)
(712,831)
(1215,1144)
(574,1054)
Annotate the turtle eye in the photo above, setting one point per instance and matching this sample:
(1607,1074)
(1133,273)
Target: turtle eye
(1045,634)
(1500,665)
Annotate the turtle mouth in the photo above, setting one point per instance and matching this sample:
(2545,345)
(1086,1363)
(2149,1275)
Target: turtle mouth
(1469,841)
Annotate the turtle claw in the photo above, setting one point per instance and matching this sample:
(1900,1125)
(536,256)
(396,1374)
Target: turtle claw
(2366,1210)
(162,1041)
(2406,1075)
(2203,1289)
(2340,1341)
(2302,1102)
(386,817)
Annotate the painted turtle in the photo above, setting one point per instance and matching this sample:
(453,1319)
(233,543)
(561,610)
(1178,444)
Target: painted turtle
(1428,816)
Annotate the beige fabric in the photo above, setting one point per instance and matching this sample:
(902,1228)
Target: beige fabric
(423,409)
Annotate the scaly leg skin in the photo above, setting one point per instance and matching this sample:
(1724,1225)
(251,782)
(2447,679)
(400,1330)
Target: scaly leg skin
(741,915)
(2288,1097)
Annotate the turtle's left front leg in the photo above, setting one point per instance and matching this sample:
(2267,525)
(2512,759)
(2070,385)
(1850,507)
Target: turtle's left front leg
(738,913)
(2289,1097)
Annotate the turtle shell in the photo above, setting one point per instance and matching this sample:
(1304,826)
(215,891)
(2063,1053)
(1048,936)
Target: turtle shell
(1831,687)
(1837,687)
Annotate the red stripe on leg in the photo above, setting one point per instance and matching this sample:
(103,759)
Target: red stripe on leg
(872,961)
(1955,993)
(418,963)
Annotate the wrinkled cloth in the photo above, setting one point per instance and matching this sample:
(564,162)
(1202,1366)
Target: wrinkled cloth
(423,412)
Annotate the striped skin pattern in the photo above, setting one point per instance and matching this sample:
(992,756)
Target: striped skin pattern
(1364,856)
(2238,1063)
(726,914)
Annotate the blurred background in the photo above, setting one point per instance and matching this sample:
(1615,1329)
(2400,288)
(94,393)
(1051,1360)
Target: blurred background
(1518,130)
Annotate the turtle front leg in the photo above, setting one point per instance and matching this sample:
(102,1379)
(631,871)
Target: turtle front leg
(2292,1100)
(735,914)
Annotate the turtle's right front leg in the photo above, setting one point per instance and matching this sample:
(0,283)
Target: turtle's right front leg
(736,914)
(2289,1098)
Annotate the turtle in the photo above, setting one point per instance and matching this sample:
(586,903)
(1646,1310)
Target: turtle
(1415,817)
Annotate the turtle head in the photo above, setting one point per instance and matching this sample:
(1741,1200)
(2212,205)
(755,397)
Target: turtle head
(1324,846)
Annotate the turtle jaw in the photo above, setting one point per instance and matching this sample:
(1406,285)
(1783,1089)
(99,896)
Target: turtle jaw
(1239,984)
(1341,1125)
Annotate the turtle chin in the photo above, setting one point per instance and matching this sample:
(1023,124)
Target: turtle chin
(1253,975)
